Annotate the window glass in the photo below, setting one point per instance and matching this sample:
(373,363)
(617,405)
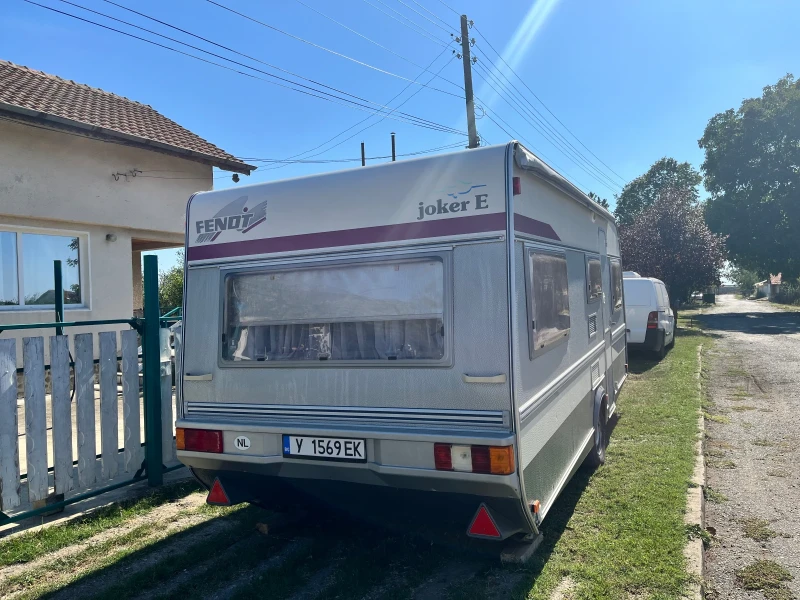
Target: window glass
(38,253)
(9,290)
(548,289)
(368,311)
(616,282)
(594,278)
(639,292)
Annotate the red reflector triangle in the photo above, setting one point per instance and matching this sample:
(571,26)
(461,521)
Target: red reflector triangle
(483,525)
(217,495)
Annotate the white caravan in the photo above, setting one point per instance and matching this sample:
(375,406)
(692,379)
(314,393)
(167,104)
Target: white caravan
(447,330)
(649,319)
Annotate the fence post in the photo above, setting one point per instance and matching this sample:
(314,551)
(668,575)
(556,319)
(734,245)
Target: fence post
(59,293)
(152,376)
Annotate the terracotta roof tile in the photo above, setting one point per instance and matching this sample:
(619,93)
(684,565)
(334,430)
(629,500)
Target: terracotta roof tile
(41,92)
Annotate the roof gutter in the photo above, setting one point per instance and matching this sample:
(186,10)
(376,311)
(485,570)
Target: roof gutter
(221,163)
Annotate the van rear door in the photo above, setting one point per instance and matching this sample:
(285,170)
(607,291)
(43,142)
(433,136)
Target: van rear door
(640,301)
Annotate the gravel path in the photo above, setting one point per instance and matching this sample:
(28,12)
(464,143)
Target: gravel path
(753,447)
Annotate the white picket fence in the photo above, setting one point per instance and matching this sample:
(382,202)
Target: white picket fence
(64,439)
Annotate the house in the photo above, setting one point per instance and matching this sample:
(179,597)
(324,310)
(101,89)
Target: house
(769,287)
(92,179)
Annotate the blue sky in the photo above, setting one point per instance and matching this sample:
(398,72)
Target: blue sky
(634,81)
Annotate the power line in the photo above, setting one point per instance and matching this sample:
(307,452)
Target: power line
(319,12)
(566,146)
(331,98)
(413,25)
(540,100)
(555,142)
(435,16)
(369,117)
(350,58)
(345,160)
(423,16)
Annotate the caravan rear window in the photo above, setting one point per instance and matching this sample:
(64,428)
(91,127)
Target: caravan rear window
(548,299)
(369,311)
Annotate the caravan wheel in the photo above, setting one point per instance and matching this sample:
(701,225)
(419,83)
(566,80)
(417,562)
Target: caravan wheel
(597,456)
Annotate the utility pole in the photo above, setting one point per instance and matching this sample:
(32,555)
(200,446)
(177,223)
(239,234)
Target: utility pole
(394,156)
(363,156)
(473,132)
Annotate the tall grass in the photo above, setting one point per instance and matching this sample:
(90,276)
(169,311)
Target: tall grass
(789,293)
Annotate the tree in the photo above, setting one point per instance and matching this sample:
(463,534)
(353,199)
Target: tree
(670,240)
(752,170)
(170,285)
(601,201)
(745,279)
(665,174)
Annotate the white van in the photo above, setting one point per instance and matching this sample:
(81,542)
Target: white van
(445,332)
(649,319)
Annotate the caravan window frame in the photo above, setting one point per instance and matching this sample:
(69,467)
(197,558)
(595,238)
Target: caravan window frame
(590,297)
(444,256)
(617,303)
(529,250)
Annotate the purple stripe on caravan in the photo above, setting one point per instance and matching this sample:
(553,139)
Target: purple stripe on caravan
(353,237)
(530,226)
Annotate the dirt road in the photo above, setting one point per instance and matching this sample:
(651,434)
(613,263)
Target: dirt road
(753,450)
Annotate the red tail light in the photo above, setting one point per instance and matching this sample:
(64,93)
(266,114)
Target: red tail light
(198,440)
(442,457)
(481,463)
(652,320)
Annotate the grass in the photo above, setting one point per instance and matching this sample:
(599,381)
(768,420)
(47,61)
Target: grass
(716,418)
(721,464)
(757,529)
(763,442)
(714,496)
(743,407)
(778,473)
(768,577)
(620,532)
(29,546)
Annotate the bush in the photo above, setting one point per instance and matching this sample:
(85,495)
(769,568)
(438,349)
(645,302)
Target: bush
(788,293)
(745,279)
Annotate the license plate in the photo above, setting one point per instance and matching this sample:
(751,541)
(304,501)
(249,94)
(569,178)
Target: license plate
(324,448)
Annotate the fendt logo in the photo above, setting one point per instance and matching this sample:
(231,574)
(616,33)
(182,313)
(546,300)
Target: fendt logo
(236,216)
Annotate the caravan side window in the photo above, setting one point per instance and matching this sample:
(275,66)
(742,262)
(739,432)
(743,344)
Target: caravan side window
(594,279)
(616,283)
(366,311)
(548,299)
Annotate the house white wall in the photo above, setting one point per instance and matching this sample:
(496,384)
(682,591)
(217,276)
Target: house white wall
(56,182)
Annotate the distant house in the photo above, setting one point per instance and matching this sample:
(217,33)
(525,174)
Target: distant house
(769,287)
(92,179)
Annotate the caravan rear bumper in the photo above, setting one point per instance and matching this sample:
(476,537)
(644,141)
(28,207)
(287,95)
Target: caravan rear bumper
(394,458)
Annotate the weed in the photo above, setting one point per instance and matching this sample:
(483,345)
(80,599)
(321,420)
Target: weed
(757,529)
(762,442)
(722,464)
(714,496)
(695,531)
(743,407)
(778,473)
(715,453)
(716,418)
(767,576)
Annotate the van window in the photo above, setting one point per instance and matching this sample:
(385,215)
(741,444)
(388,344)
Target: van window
(616,284)
(548,299)
(370,311)
(663,298)
(594,278)
(639,292)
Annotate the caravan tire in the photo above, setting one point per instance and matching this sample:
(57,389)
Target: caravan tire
(597,456)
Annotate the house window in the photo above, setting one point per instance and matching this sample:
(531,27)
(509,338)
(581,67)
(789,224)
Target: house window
(27,268)
(594,279)
(548,299)
(616,281)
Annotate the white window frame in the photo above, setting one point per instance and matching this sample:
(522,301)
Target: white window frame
(83,257)
(614,307)
(531,300)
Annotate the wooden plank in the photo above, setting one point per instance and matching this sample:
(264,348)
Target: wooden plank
(131,411)
(9,432)
(61,410)
(85,409)
(35,417)
(167,443)
(109,404)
